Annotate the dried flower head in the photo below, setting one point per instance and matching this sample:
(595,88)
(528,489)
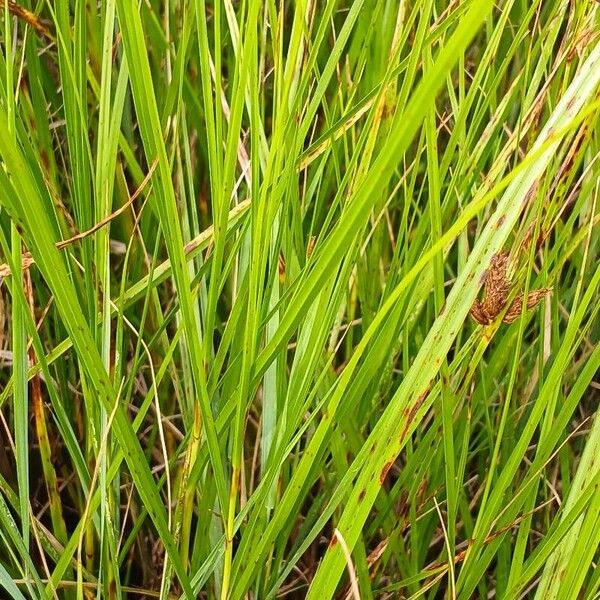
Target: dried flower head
(496,290)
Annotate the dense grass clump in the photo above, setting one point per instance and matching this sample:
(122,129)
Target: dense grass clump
(299,299)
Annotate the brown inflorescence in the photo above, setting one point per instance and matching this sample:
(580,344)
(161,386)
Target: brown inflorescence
(495,295)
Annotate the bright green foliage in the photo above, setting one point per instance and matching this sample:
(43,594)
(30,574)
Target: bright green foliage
(239,246)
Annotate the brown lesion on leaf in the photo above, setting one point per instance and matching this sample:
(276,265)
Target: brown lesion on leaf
(281,268)
(496,291)
(385,471)
(410,413)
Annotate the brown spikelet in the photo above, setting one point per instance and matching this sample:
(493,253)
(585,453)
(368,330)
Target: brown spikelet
(533,299)
(497,286)
(30,18)
(496,290)
(26,262)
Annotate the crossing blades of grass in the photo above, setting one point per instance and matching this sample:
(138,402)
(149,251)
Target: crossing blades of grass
(278,317)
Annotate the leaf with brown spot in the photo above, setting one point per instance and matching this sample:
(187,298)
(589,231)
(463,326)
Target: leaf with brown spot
(385,471)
